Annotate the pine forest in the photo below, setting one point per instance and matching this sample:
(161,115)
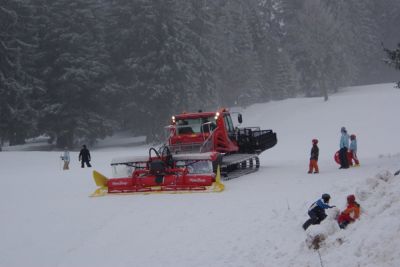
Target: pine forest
(80,70)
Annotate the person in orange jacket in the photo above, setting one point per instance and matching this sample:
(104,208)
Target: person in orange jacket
(314,157)
(350,214)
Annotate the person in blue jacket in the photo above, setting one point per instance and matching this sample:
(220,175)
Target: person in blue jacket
(353,151)
(317,211)
(344,145)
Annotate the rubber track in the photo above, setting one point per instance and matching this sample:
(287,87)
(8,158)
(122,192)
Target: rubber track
(237,165)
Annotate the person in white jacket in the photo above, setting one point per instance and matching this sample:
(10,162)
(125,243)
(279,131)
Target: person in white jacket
(65,158)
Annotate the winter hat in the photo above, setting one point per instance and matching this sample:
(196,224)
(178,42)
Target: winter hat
(351,199)
(326,197)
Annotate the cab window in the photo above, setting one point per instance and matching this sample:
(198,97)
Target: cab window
(228,123)
(195,126)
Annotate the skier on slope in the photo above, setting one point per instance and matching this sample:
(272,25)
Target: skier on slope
(317,211)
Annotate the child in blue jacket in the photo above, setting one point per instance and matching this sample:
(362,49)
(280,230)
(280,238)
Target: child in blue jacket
(317,211)
(353,151)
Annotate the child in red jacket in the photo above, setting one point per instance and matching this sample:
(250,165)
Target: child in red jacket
(350,214)
(313,166)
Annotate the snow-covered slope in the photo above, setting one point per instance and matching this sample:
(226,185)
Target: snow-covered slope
(47,218)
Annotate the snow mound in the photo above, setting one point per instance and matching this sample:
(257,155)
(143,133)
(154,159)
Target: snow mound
(374,239)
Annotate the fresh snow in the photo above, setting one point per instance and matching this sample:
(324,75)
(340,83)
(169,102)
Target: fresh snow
(47,218)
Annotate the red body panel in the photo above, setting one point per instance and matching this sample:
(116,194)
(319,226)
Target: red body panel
(220,135)
(188,138)
(142,181)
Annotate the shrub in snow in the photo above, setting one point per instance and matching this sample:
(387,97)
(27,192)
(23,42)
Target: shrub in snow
(317,234)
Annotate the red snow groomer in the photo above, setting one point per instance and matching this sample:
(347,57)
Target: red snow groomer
(201,146)
(203,132)
(161,172)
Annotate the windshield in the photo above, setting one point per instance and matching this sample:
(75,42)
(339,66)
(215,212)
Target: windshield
(196,167)
(126,170)
(195,126)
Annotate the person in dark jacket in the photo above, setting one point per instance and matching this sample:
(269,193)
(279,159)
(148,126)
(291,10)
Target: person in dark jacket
(317,211)
(84,157)
(313,166)
(344,146)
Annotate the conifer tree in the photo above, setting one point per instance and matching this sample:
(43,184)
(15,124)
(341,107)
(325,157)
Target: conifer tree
(393,57)
(73,66)
(17,116)
(162,57)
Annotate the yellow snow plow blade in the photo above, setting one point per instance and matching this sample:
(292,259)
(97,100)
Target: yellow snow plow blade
(217,185)
(100,181)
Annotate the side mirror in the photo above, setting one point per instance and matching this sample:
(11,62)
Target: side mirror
(240,119)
